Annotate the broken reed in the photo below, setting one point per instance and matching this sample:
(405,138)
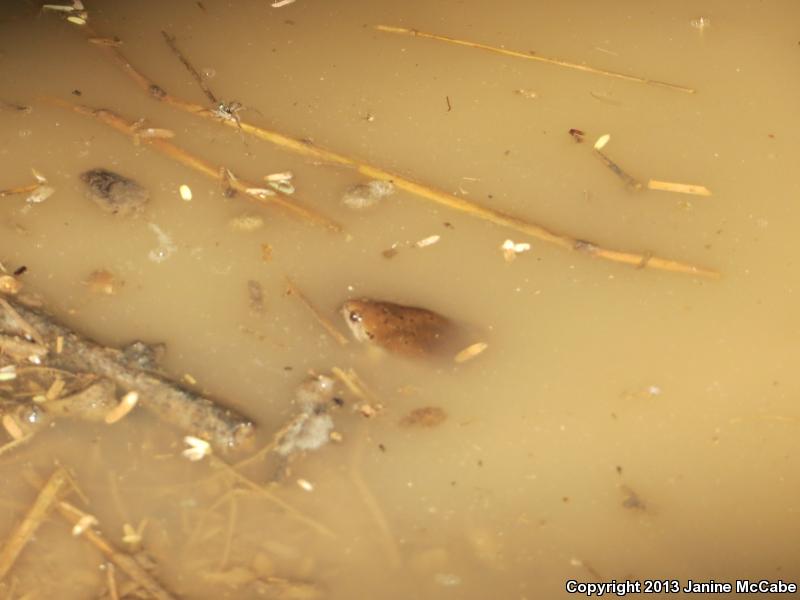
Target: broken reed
(47,497)
(532,56)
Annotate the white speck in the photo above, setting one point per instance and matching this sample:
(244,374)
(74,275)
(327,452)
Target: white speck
(281,3)
(511,249)
(700,23)
(305,484)
(83,524)
(447,579)
(602,141)
(185,192)
(428,241)
(197,450)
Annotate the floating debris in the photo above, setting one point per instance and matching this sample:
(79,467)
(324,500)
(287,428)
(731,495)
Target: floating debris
(198,449)
(12,427)
(700,23)
(282,182)
(139,132)
(40,194)
(429,416)
(126,405)
(447,579)
(114,42)
(170,40)
(605,97)
(631,499)
(529,94)
(511,249)
(35,516)
(255,295)
(530,56)
(185,192)
(75,14)
(101,281)
(14,106)
(115,193)
(428,241)
(84,523)
(10,285)
(602,141)
(281,3)
(312,427)
(55,389)
(266,252)
(292,289)
(305,485)
(577,134)
(365,195)
(470,352)
(247,223)
(317,153)
(131,536)
(8,373)
(630,181)
(166,247)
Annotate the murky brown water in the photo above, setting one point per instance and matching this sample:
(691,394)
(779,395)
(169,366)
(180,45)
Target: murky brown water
(623,423)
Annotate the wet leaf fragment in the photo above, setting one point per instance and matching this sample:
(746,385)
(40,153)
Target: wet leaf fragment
(428,416)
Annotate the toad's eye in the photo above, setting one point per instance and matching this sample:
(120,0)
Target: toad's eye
(355,317)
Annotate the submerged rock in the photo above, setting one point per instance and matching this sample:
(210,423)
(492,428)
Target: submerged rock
(115,193)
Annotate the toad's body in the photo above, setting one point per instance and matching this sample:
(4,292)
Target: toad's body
(405,330)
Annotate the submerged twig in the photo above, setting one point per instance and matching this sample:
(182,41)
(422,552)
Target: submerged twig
(125,562)
(550,61)
(170,39)
(630,181)
(262,491)
(48,495)
(653,184)
(387,538)
(251,190)
(496,217)
(355,384)
(189,411)
(329,328)
(5,448)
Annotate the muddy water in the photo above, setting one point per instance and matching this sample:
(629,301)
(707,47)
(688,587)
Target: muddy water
(623,423)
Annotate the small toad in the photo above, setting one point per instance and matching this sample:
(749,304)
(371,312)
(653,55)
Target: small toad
(405,330)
